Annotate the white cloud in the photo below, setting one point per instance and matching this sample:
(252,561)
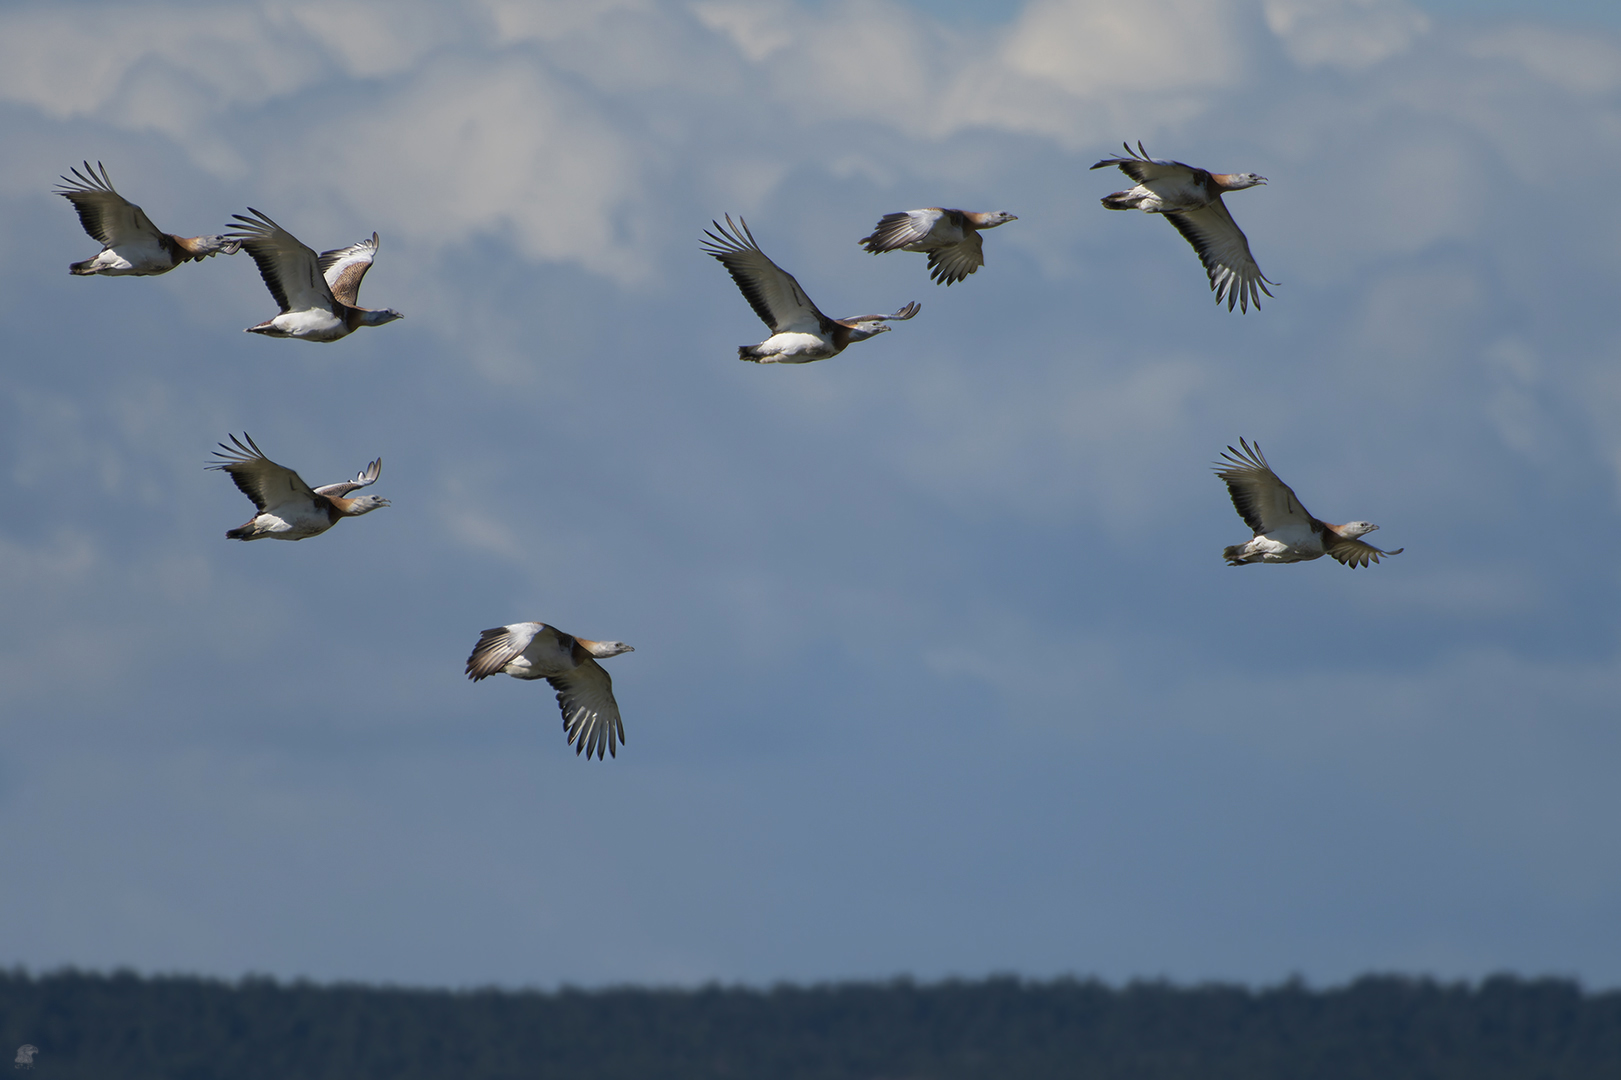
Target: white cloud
(1513,407)
(1099,48)
(484,534)
(997,446)
(1598,395)
(64,559)
(1578,63)
(373,38)
(759,30)
(1410,328)
(552,20)
(1071,70)
(1347,34)
(58,60)
(489,147)
(867,59)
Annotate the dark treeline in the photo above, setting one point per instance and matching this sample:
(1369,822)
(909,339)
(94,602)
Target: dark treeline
(95,1027)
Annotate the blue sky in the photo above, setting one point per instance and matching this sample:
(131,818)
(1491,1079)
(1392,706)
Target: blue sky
(938,670)
(1573,13)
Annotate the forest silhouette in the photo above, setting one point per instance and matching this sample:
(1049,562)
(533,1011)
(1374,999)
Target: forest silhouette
(93,1026)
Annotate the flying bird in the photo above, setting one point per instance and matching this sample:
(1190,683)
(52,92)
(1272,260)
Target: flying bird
(950,237)
(1190,199)
(799,332)
(130,243)
(1284,531)
(318,294)
(532,650)
(288,508)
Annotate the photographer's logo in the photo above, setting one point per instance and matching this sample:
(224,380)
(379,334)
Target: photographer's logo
(25,1056)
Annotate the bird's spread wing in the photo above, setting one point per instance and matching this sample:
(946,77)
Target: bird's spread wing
(951,264)
(344,267)
(1225,253)
(770,290)
(367,477)
(590,714)
(895,231)
(259,478)
(292,272)
(912,308)
(499,646)
(106,215)
(1354,553)
(1144,169)
(1261,499)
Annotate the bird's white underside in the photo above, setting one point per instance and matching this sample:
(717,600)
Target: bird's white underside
(794,347)
(135,256)
(288,526)
(316,324)
(1289,544)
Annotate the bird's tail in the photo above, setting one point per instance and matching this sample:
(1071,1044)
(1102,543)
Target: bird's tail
(1122,200)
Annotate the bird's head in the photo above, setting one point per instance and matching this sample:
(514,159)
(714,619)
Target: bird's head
(999,217)
(862,329)
(366,504)
(604,649)
(1240,181)
(218,245)
(380,316)
(1353,529)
